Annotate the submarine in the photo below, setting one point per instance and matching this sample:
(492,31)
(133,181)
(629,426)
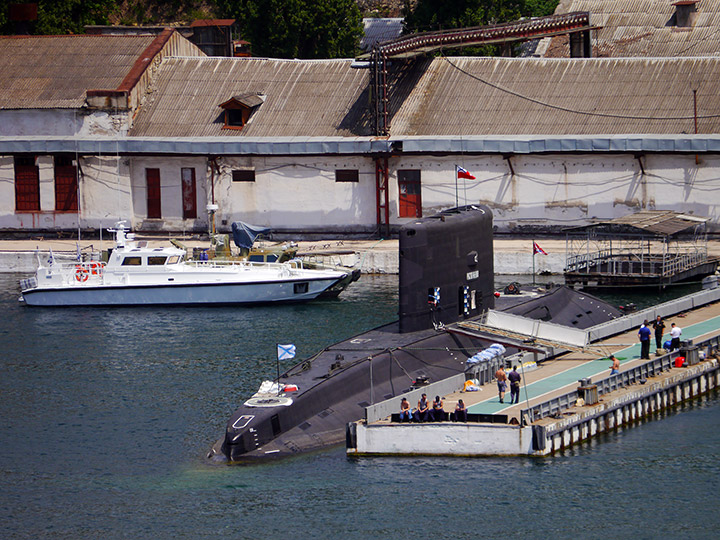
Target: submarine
(446,276)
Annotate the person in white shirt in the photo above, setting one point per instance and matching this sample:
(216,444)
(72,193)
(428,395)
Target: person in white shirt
(675,332)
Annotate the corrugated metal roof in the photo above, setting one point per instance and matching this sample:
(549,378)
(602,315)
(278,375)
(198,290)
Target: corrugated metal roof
(440,97)
(303,98)
(655,222)
(644,28)
(55,71)
(501,96)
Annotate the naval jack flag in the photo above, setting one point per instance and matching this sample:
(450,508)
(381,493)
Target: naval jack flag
(286,352)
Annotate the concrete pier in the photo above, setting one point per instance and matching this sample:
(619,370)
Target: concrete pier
(544,437)
(511,255)
(551,417)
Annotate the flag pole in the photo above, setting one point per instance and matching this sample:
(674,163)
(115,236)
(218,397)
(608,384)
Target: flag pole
(533,248)
(277,350)
(456,186)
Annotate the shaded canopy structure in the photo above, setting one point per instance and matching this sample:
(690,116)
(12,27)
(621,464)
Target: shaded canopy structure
(653,247)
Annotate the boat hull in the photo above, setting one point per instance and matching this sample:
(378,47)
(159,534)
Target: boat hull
(181,294)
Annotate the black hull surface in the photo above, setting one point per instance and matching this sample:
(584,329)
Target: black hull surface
(446,276)
(335,395)
(335,386)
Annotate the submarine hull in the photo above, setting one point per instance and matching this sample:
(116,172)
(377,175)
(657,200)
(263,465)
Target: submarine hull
(446,276)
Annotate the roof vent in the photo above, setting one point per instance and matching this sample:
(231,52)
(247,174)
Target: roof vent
(685,13)
(238,109)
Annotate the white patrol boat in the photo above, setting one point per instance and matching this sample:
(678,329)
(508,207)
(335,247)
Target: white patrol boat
(136,274)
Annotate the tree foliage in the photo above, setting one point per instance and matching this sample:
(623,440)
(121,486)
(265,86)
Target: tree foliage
(297,28)
(440,14)
(71,16)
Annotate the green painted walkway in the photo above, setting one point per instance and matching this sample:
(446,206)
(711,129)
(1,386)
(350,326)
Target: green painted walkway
(591,368)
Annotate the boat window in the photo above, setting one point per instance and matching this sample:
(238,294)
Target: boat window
(157,261)
(300,288)
(132,261)
(174,259)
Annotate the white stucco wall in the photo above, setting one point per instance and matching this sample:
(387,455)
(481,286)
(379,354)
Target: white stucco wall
(297,192)
(62,122)
(567,190)
(46,218)
(105,194)
(171,192)
(301,194)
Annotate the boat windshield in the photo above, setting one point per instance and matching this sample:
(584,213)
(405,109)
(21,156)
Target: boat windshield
(174,259)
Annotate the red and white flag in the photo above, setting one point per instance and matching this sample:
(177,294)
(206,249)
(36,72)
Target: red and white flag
(538,249)
(463,173)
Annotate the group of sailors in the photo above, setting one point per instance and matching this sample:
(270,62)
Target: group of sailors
(658,326)
(435,412)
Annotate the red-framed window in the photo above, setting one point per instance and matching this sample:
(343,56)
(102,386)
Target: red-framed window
(66,185)
(154,209)
(27,184)
(189,193)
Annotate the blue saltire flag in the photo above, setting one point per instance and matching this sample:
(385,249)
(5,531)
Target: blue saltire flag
(286,352)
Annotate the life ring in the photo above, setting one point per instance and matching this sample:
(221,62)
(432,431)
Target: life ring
(81,274)
(96,268)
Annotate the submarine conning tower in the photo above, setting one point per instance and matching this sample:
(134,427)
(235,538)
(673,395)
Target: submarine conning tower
(446,268)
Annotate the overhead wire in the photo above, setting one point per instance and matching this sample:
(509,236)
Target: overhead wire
(568,109)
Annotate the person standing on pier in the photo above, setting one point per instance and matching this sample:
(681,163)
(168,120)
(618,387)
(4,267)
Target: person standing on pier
(514,378)
(501,382)
(615,367)
(675,332)
(659,327)
(644,335)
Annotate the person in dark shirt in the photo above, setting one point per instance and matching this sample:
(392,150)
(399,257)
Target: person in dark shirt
(644,335)
(514,378)
(659,327)
(437,414)
(460,411)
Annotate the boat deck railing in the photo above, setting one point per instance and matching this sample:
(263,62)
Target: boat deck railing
(606,262)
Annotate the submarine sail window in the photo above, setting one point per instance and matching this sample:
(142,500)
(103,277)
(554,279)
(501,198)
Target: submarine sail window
(275,423)
(464,300)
